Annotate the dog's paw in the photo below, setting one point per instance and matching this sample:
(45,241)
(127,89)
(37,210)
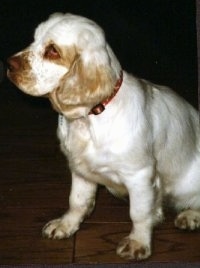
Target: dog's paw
(133,250)
(59,229)
(188,220)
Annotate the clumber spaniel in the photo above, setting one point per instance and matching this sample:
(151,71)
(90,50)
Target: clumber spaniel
(136,138)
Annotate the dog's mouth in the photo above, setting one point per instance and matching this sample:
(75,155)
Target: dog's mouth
(14,77)
(24,81)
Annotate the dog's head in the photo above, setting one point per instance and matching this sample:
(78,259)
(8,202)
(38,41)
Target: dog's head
(69,61)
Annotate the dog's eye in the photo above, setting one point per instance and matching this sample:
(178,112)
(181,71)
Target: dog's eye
(51,53)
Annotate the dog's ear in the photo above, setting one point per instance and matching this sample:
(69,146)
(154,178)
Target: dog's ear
(89,80)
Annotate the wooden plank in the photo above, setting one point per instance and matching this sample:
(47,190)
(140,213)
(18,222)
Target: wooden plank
(21,240)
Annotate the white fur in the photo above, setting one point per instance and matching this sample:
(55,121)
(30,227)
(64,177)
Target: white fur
(145,144)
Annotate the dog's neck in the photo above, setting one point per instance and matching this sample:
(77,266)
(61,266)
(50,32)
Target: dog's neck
(79,112)
(100,107)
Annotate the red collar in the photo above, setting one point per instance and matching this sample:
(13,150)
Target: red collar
(100,107)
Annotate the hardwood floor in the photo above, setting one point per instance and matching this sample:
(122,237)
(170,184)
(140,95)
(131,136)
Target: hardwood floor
(34,188)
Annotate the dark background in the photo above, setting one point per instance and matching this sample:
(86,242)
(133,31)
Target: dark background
(153,39)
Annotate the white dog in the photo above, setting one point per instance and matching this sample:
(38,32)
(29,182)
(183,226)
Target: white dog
(136,138)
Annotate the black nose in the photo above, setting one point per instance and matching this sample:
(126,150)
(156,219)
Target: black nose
(14,63)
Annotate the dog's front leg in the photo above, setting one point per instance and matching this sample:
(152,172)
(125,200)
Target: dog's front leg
(137,245)
(81,204)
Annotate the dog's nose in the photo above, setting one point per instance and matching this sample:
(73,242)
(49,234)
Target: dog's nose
(14,63)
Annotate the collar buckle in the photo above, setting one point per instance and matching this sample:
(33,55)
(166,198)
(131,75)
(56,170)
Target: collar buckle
(100,107)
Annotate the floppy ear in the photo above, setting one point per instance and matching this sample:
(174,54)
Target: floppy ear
(89,80)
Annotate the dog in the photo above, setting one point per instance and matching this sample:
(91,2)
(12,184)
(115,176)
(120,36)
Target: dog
(136,138)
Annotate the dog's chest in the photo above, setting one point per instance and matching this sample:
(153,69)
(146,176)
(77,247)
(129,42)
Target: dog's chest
(86,156)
